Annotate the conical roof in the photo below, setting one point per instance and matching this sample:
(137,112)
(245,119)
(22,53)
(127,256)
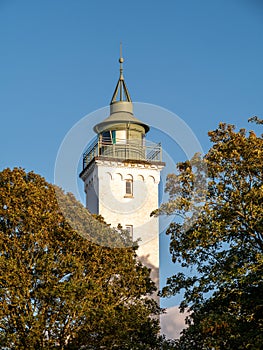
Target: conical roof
(121,107)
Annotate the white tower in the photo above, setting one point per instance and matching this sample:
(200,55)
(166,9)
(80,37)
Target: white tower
(121,173)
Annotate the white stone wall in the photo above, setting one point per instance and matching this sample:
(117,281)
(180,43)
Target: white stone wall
(106,194)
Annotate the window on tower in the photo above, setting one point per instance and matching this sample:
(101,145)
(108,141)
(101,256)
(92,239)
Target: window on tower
(108,137)
(128,188)
(129,228)
(121,137)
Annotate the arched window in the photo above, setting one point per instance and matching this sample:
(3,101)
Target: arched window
(128,188)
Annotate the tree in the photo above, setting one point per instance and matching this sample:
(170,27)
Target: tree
(60,290)
(218,235)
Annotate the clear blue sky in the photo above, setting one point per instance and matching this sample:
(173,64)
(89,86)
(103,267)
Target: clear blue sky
(59,61)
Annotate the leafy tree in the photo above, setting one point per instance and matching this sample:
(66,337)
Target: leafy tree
(58,289)
(218,234)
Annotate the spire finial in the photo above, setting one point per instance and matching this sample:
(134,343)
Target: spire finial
(121,88)
(121,60)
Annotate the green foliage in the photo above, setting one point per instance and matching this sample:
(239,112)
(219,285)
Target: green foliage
(91,227)
(100,218)
(256,120)
(59,290)
(218,234)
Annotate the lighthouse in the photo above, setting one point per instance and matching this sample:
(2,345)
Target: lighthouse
(121,175)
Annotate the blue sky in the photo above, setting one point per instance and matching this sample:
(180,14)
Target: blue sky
(59,62)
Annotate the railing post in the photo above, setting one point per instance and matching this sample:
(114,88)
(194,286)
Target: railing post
(128,150)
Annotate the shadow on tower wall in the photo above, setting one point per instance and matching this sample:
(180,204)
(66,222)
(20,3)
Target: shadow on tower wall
(144,259)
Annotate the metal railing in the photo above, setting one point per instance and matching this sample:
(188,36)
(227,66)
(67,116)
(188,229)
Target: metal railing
(123,149)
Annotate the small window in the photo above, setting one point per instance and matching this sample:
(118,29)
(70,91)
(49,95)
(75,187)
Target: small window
(128,189)
(106,137)
(129,228)
(121,137)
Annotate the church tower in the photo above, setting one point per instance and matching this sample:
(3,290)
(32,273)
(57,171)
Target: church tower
(121,173)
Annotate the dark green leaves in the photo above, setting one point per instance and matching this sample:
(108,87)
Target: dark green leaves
(218,234)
